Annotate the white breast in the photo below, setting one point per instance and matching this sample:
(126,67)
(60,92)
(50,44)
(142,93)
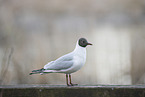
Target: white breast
(79,59)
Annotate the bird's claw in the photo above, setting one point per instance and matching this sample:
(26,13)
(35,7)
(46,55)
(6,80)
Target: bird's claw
(71,84)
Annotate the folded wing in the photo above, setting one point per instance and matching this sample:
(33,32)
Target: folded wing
(61,63)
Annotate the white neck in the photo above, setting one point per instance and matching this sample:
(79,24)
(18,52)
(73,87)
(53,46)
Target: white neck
(80,50)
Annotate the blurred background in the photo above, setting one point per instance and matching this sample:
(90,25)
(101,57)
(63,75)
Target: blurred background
(34,32)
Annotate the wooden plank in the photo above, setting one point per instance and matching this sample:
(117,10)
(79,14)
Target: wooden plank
(72,91)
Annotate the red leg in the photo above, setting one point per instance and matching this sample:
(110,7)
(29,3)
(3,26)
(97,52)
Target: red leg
(71,82)
(67,80)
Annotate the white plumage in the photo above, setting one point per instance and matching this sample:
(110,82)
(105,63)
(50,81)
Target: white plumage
(68,63)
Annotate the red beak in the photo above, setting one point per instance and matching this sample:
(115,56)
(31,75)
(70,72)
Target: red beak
(89,44)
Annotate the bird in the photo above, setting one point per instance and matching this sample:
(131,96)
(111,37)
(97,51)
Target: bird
(68,63)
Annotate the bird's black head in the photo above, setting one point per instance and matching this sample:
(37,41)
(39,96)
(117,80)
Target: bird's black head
(83,42)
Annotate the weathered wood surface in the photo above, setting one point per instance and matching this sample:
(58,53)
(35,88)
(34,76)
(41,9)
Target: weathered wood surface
(72,91)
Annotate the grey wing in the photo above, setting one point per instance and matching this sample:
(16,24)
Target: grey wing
(48,64)
(61,63)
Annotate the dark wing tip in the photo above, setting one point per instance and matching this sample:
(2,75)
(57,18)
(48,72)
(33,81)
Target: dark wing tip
(30,73)
(37,71)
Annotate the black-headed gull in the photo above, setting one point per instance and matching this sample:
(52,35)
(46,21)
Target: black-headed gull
(68,63)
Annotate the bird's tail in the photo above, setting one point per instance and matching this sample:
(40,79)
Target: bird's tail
(40,71)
